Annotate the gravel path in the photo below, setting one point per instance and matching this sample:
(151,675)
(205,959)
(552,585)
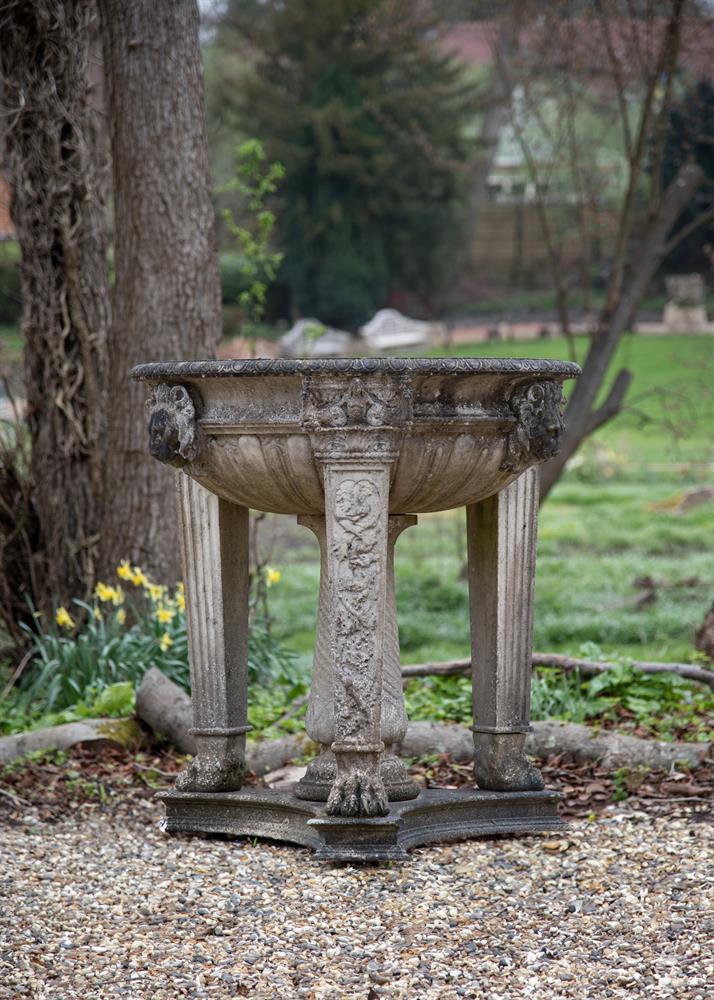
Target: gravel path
(105,905)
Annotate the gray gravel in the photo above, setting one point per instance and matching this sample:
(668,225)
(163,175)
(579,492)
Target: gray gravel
(104,905)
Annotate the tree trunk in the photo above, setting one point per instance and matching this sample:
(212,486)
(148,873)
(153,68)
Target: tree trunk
(167,302)
(580,417)
(60,223)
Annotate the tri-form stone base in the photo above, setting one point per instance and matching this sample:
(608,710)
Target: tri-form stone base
(435,816)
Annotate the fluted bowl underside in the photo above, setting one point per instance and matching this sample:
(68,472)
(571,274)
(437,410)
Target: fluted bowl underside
(260,433)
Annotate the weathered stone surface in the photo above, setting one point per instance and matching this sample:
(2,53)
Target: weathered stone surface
(214,543)
(320,719)
(455,419)
(501,552)
(173,434)
(346,444)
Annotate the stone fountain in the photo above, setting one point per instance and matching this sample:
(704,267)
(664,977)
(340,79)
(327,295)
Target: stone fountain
(356,448)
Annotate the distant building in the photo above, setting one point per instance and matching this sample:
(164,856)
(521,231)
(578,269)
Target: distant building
(578,46)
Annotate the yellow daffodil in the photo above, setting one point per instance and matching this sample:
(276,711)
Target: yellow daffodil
(164,615)
(113,594)
(180,588)
(98,614)
(165,641)
(156,592)
(121,616)
(139,578)
(180,601)
(64,618)
(124,570)
(272,576)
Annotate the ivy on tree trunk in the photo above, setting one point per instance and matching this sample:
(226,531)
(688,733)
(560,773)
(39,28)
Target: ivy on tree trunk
(167,303)
(57,210)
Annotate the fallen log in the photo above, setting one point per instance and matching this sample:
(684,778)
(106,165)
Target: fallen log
(609,747)
(584,743)
(166,709)
(97,732)
(568,663)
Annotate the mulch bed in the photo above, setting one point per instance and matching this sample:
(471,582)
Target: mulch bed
(588,788)
(111,779)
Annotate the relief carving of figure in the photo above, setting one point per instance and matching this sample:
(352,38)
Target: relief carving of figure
(352,404)
(356,552)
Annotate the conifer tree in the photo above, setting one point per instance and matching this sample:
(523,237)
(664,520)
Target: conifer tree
(367,114)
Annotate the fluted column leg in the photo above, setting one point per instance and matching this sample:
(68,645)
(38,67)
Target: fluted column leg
(501,552)
(320,719)
(214,542)
(356,504)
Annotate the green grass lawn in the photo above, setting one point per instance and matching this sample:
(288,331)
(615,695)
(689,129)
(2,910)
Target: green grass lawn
(611,519)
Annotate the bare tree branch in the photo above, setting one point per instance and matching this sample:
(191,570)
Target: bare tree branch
(613,403)
(617,76)
(588,668)
(685,231)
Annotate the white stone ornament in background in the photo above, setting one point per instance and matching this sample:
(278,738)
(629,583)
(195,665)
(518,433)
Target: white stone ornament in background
(309,338)
(685,312)
(389,330)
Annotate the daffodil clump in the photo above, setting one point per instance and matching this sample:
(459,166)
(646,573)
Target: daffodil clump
(128,626)
(162,605)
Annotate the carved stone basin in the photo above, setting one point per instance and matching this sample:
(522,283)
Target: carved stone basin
(356,448)
(459,429)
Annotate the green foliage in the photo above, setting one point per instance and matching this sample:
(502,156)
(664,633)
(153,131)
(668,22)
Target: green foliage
(368,117)
(434,699)
(659,702)
(108,645)
(620,793)
(115,701)
(662,704)
(56,757)
(233,276)
(88,662)
(255,183)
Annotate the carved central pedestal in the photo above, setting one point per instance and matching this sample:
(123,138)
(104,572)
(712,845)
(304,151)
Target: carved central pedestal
(357,449)
(320,721)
